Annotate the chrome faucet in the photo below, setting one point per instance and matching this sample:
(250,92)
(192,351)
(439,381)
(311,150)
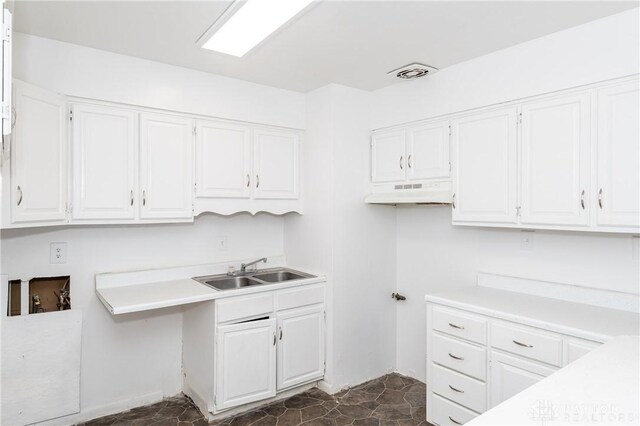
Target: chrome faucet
(243,267)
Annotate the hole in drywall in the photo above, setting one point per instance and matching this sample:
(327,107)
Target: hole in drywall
(49,294)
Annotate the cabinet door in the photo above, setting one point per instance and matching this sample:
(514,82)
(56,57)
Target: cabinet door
(484,167)
(618,176)
(428,151)
(166,167)
(300,346)
(576,348)
(38,161)
(245,363)
(275,163)
(223,155)
(104,162)
(555,161)
(388,158)
(511,375)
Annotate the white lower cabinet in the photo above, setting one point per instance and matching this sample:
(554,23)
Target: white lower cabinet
(475,361)
(265,343)
(245,354)
(300,346)
(511,375)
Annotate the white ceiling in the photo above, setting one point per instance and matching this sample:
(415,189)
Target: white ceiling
(354,43)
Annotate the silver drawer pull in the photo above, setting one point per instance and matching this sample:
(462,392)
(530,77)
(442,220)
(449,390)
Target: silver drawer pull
(456,390)
(459,327)
(524,345)
(456,357)
(456,422)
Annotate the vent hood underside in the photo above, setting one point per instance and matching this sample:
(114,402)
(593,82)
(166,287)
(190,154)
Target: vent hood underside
(433,193)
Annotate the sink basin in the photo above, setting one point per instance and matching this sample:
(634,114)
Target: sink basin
(228,283)
(280,276)
(263,277)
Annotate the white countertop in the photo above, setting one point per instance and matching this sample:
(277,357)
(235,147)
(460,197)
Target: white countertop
(577,319)
(136,291)
(602,387)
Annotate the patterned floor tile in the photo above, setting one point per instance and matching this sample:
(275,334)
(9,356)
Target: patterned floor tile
(391,400)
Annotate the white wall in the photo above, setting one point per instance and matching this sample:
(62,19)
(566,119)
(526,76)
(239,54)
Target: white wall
(353,243)
(433,255)
(81,71)
(134,358)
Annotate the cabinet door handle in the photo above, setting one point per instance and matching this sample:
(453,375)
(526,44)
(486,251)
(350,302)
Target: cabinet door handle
(409,161)
(524,345)
(456,422)
(459,327)
(455,390)
(401,166)
(257,181)
(131,198)
(248,180)
(453,200)
(144,198)
(280,333)
(20,192)
(274,339)
(582,199)
(459,358)
(600,198)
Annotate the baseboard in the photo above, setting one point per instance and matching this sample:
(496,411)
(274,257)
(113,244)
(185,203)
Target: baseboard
(105,410)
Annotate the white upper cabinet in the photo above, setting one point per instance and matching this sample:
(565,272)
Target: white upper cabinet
(618,152)
(166,167)
(39,156)
(555,160)
(104,162)
(388,156)
(484,167)
(275,164)
(223,160)
(428,151)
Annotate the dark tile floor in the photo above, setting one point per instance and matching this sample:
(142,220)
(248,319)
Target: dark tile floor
(391,400)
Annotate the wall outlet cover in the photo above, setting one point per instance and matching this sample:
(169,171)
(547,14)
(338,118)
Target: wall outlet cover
(58,253)
(526,240)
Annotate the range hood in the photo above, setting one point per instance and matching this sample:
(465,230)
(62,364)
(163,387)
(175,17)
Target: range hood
(415,193)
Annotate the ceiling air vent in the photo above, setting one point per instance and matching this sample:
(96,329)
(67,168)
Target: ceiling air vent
(412,71)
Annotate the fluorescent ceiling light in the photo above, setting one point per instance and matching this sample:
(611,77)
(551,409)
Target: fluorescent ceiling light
(252,23)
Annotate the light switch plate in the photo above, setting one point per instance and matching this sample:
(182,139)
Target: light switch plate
(526,240)
(58,253)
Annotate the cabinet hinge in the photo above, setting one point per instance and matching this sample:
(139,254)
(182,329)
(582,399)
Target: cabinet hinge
(518,211)
(6,33)
(195,130)
(520,118)
(449,130)
(70,115)
(70,208)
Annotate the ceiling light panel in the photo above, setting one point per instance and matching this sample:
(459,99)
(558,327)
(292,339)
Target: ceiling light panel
(253,22)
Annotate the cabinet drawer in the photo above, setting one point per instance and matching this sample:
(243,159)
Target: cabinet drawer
(463,357)
(457,387)
(445,412)
(460,324)
(297,297)
(237,308)
(528,342)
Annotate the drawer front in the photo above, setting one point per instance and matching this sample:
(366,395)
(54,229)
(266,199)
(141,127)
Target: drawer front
(297,297)
(459,356)
(445,412)
(460,324)
(243,307)
(527,342)
(457,387)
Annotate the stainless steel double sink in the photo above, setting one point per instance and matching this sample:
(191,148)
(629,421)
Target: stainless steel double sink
(250,279)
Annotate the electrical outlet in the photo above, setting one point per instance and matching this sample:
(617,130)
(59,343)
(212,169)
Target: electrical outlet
(221,243)
(58,253)
(526,240)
